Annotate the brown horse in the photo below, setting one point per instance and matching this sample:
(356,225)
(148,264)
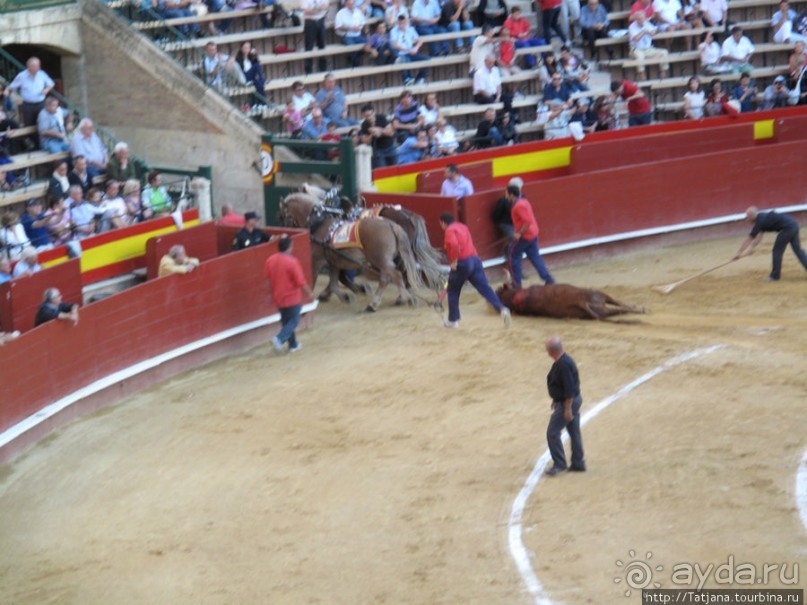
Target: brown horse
(428,258)
(385,254)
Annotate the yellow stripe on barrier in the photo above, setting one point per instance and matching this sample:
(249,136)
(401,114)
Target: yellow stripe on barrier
(402,183)
(122,249)
(532,162)
(763,129)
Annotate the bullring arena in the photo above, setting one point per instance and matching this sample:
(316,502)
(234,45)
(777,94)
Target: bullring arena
(381,464)
(161,452)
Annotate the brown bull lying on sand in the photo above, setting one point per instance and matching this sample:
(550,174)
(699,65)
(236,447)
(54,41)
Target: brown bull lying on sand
(561,301)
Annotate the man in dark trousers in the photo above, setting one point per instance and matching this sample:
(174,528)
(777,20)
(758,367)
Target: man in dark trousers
(563,383)
(788,230)
(249,235)
(465,266)
(287,286)
(525,238)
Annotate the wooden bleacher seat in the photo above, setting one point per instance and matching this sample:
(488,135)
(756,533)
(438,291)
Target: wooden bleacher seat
(202,19)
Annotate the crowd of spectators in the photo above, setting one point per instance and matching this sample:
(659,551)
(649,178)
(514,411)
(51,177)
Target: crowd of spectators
(89,191)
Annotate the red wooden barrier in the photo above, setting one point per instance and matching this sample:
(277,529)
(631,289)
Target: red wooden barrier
(429,206)
(135,325)
(666,193)
(590,155)
(475,211)
(20,298)
(200,242)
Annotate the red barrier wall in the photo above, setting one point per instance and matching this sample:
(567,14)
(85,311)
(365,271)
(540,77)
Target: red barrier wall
(20,298)
(475,211)
(592,155)
(200,242)
(676,191)
(134,325)
(791,129)
(429,206)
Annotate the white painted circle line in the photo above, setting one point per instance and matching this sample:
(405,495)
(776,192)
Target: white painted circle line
(801,489)
(515,528)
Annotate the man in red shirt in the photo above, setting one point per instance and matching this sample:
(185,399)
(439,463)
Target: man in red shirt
(640,112)
(645,6)
(525,237)
(287,284)
(228,217)
(465,266)
(520,29)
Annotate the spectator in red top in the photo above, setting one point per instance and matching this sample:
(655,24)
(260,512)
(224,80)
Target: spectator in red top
(642,5)
(525,237)
(640,112)
(550,14)
(521,31)
(465,266)
(228,217)
(287,285)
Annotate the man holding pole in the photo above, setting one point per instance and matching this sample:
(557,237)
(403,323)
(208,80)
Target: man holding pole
(788,233)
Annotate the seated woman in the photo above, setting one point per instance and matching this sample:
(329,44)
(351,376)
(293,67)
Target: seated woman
(59,225)
(131,197)
(59,184)
(796,64)
(250,63)
(694,99)
(156,201)
(717,103)
(710,55)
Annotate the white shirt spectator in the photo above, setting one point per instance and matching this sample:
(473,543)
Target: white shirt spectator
(737,51)
(346,19)
(646,40)
(425,10)
(14,239)
(714,9)
(696,102)
(481,48)
(487,81)
(314,9)
(430,116)
(446,139)
(710,53)
(403,38)
(667,10)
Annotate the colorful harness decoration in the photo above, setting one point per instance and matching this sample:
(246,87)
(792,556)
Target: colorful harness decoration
(344,235)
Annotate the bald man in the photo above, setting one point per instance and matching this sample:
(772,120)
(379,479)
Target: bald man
(788,233)
(563,383)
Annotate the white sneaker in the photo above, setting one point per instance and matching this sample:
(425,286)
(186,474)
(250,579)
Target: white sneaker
(277,344)
(451,324)
(506,317)
(295,348)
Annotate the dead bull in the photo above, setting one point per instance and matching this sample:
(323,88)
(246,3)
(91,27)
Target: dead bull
(562,301)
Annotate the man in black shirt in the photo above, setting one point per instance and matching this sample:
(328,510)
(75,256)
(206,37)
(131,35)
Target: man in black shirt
(563,383)
(53,308)
(249,234)
(788,230)
(378,132)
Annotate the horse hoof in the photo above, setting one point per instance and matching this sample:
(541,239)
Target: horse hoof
(399,302)
(323,297)
(369,309)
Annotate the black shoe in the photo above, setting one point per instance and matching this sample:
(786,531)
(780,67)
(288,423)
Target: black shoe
(554,471)
(577,469)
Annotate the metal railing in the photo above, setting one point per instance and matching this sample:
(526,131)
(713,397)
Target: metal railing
(8,6)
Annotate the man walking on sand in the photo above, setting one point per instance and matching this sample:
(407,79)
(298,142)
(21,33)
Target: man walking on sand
(563,383)
(287,285)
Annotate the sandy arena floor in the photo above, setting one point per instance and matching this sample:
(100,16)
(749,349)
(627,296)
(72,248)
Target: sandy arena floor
(380,464)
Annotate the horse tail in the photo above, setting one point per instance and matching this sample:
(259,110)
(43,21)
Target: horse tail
(407,257)
(426,256)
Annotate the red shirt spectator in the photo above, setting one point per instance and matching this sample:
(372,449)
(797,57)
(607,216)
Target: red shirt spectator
(550,4)
(639,5)
(458,243)
(230,218)
(635,106)
(286,279)
(524,218)
(518,28)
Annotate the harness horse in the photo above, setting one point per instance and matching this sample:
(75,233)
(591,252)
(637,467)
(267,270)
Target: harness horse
(383,250)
